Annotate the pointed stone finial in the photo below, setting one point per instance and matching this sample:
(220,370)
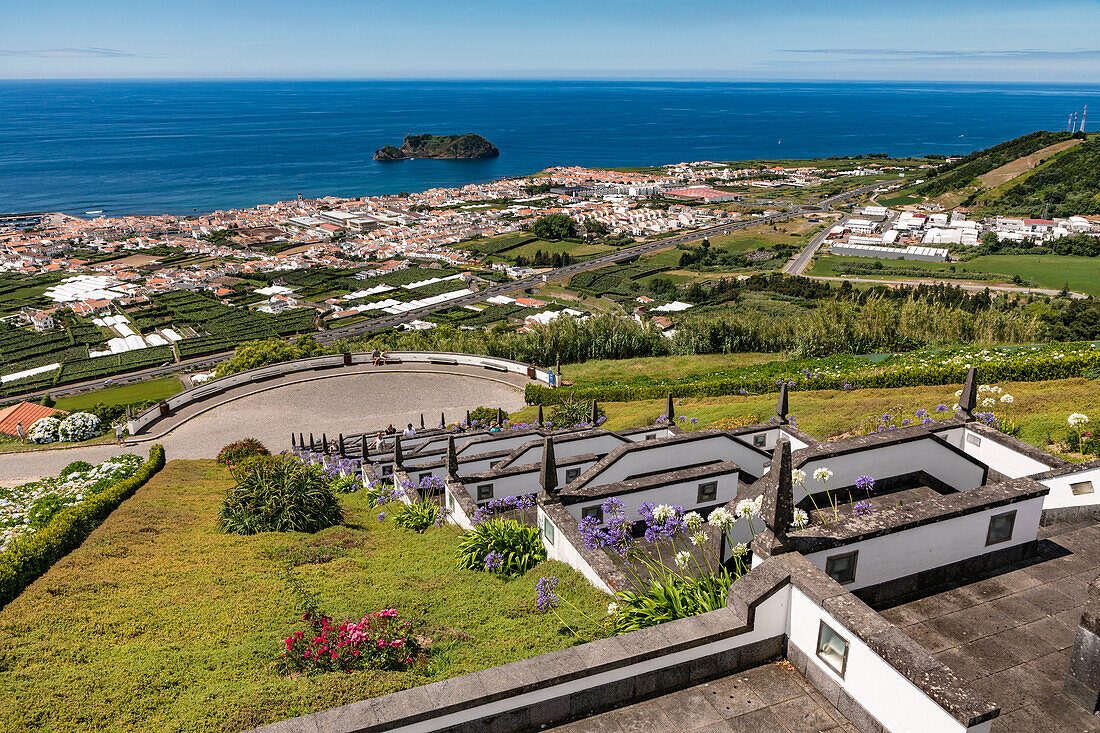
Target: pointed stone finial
(539,419)
(452,457)
(311,443)
(548,475)
(324,444)
(398,456)
(500,417)
(782,408)
(363,450)
(442,420)
(595,413)
(778,505)
(301,443)
(292,439)
(670,409)
(340,446)
(469,423)
(422,421)
(969,398)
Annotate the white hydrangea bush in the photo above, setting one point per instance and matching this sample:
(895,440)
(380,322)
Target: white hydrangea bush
(78,426)
(45,430)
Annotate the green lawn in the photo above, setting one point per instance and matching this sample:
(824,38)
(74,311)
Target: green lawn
(657,368)
(159,622)
(575,249)
(154,389)
(1043,271)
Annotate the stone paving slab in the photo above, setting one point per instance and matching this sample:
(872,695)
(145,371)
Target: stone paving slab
(771,698)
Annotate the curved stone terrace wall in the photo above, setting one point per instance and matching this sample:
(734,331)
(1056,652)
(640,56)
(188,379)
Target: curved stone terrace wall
(140,423)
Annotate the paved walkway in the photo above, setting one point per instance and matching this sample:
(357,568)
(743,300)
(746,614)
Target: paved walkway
(345,403)
(771,698)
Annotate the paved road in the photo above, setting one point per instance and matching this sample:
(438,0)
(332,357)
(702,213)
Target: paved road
(386,323)
(799,264)
(347,404)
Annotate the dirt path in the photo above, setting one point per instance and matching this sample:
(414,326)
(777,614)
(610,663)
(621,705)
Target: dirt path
(1008,171)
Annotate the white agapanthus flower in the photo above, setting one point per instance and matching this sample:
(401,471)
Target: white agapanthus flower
(612,609)
(822,474)
(995,389)
(663,513)
(801,519)
(958,393)
(683,557)
(721,519)
(988,402)
(740,549)
(698,538)
(983,388)
(956,407)
(757,504)
(1075,420)
(798,476)
(693,520)
(744,508)
(1007,398)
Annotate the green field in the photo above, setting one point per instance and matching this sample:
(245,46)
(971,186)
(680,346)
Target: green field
(658,368)
(577,250)
(1041,271)
(156,389)
(159,622)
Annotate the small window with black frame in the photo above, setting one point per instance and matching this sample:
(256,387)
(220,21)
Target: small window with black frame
(548,530)
(832,648)
(571,474)
(593,512)
(1000,528)
(842,568)
(484,492)
(708,492)
(760,440)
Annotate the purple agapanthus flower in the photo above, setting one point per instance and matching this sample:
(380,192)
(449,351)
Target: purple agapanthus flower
(862,508)
(865,483)
(547,598)
(906,421)
(494,561)
(744,391)
(381,516)
(920,414)
(942,408)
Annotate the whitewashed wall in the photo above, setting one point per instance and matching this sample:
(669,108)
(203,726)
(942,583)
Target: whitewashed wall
(643,436)
(664,457)
(599,444)
(1061,496)
(683,493)
(1001,457)
(457,513)
(933,545)
(883,691)
(562,549)
(520,483)
(896,459)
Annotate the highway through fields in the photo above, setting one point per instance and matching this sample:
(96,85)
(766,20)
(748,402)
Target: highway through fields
(388,322)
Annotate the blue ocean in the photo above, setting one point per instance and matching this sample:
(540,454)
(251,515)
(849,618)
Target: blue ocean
(143,147)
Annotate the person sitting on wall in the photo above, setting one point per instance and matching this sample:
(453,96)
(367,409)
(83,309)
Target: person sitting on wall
(378,356)
(409,431)
(390,429)
(494,428)
(379,441)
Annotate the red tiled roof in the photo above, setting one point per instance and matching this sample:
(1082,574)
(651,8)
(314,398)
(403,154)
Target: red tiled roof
(26,412)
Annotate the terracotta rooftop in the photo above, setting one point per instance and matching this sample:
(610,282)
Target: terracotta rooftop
(26,412)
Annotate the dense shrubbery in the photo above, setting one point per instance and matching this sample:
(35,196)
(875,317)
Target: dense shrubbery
(256,354)
(77,427)
(44,430)
(377,641)
(29,557)
(501,546)
(966,170)
(279,494)
(236,452)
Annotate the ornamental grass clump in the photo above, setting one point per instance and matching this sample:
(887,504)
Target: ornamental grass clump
(379,640)
(238,451)
(419,515)
(279,494)
(502,546)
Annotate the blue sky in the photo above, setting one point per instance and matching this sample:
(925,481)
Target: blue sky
(964,40)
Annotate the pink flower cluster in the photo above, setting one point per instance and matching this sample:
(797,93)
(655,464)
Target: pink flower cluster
(377,641)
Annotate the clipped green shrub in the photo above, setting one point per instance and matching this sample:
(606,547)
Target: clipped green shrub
(417,516)
(27,559)
(279,494)
(236,452)
(501,546)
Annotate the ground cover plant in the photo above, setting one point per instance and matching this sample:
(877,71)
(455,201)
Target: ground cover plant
(197,617)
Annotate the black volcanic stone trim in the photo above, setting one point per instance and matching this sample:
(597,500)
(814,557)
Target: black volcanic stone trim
(898,519)
(560,440)
(462,497)
(927,673)
(1067,470)
(401,477)
(441,462)
(805,437)
(1070,514)
(655,480)
(1018,445)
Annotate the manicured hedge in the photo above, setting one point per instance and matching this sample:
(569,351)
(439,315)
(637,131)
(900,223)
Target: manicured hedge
(766,378)
(29,558)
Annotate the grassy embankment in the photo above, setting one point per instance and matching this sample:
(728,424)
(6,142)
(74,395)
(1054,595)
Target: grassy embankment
(159,622)
(154,389)
(1042,271)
